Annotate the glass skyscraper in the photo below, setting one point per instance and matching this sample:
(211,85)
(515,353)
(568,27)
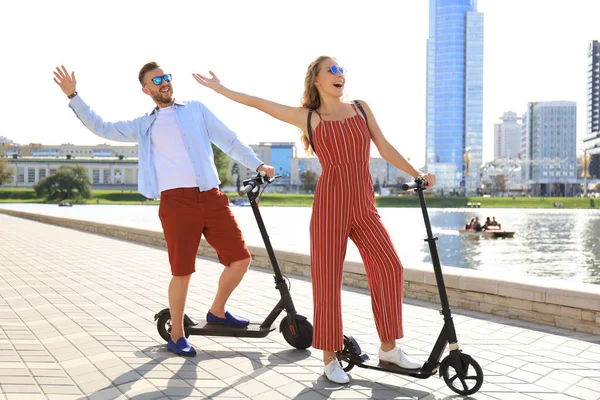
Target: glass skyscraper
(591,141)
(455,94)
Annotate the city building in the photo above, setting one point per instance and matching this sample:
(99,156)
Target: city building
(507,137)
(503,176)
(108,171)
(591,141)
(118,165)
(279,155)
(383,173)
(548,148)
(96,151)
(455,95)
(9,148)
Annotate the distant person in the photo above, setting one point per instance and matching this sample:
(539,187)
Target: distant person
(477,225)
(340,133)
(486,224)
(470,224)
(176,165)
(495,223)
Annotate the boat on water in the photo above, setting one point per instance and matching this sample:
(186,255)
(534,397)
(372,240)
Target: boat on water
(65,204)
(240,203)
(489,233)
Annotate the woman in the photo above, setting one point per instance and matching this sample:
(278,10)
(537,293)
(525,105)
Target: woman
(339,134)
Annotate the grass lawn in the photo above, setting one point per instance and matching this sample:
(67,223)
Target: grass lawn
(25,195)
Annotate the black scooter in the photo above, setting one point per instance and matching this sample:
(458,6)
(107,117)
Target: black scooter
(457,368)
(296,329)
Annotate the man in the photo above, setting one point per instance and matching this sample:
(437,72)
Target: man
(176,165)
(477,225)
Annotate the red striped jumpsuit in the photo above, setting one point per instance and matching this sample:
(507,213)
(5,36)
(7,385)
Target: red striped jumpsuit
(344,207)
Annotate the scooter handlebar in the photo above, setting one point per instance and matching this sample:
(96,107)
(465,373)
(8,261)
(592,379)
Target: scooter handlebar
(259,179)
(419,182)
(246,189)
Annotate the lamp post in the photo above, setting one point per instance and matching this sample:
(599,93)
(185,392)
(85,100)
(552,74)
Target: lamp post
(585,163)
(467,162)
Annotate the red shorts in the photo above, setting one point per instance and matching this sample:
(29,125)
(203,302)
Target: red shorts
(186,214)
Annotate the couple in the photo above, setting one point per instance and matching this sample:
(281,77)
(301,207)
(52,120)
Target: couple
(175,136)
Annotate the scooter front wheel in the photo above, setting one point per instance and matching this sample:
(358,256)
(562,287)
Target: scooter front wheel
(457,381)
(303,339)
(163,324)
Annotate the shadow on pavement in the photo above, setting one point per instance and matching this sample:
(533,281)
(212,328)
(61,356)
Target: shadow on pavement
(188,371)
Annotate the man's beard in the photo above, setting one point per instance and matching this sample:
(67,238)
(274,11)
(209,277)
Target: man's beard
(159,98)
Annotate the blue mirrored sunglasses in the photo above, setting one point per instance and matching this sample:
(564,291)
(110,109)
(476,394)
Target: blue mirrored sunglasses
(334,69)
(157,80)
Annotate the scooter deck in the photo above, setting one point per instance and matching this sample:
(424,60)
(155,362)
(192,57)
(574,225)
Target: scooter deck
(218,329)
(378,365)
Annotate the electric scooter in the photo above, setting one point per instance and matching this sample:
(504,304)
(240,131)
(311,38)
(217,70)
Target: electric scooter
(296,329)
(457,368)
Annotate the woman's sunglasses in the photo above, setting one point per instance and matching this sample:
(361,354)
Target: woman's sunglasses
(157,80)
(334,69)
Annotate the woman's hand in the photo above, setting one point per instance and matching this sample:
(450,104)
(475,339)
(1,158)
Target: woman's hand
(212,83)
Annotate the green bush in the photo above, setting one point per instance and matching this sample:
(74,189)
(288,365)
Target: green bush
(17,194)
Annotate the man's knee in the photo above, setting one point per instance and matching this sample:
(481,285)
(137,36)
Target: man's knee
(241,265)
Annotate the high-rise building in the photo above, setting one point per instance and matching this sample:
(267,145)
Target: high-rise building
(455,94)
(591,141)
(548,153)
(507,137)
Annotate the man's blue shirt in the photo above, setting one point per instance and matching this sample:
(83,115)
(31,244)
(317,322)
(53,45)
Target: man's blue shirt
(199,127)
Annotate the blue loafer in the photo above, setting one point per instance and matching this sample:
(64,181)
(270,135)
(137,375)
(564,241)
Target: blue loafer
(182,347)
(230,319)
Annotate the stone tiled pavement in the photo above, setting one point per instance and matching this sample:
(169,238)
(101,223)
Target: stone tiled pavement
(76,322)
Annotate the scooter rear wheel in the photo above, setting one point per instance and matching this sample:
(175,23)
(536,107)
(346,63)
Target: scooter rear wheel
(460,384)
(301,341)
(163,324)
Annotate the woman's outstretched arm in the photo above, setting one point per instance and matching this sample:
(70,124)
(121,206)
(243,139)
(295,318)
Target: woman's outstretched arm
(292,115)
(389,152)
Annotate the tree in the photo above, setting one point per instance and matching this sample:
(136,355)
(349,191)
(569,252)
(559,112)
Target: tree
(221,162)
(67,182)
(309,181)
(598,187)
(377,186)
(500,183)
(5,173)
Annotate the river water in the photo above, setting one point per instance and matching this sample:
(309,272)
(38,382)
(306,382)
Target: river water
(560,244)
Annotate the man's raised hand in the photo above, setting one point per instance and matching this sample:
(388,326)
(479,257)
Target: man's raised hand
(66,82)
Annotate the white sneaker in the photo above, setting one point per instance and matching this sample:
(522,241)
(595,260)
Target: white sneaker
(335,373)
(397,356)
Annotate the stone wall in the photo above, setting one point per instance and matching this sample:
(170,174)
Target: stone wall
(574,306)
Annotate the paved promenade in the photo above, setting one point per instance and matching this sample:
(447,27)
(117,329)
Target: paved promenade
(76,322)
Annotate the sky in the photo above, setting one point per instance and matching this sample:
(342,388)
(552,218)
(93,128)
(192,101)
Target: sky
(534,50)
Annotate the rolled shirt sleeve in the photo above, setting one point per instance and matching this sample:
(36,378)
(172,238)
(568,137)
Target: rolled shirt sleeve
(228,141)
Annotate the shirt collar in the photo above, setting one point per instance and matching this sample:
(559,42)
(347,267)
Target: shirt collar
(176,102)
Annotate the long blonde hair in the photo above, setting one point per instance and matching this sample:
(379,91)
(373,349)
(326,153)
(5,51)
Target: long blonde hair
(311,98)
